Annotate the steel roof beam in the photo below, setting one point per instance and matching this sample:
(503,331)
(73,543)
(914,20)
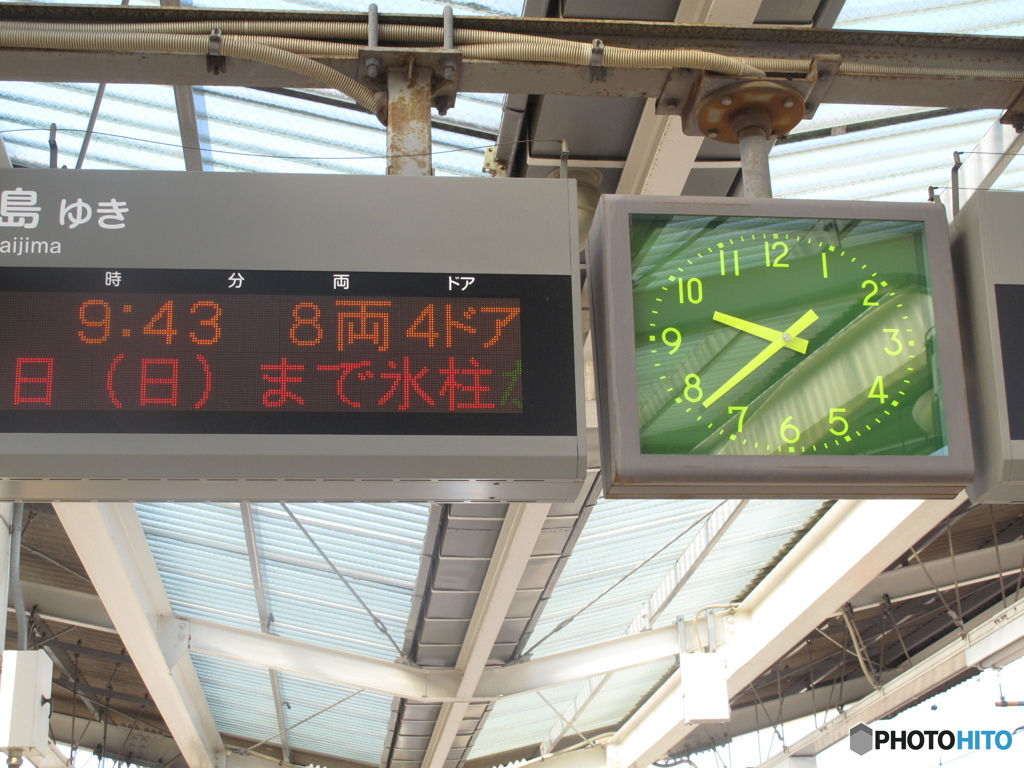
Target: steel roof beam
(836,559)
(944,77)
(112,546)
(515,545)
(693,555)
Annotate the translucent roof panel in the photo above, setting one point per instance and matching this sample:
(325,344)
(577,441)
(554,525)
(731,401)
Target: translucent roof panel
(624,552)
(241,129)
(864,152)
(328,572)
(975,17)
(896,162)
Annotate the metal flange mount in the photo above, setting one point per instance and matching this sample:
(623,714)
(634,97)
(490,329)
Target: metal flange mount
(769,105)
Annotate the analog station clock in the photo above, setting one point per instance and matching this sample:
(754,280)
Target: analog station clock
(764,345)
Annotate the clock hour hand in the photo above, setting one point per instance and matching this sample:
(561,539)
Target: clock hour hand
(792,332)
(761,331)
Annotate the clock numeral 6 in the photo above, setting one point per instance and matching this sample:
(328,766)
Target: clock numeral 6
(838,426)
(788,431)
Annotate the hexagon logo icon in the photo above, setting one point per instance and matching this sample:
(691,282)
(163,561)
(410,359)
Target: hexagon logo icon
(861,739)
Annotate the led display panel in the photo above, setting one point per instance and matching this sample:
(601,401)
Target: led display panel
(178,336)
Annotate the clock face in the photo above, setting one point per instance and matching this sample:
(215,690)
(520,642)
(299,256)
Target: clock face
(777,336)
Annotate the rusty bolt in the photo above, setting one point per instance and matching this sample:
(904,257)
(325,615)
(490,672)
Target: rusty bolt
(672,104)
(727,100)
(713,133)
(787,103)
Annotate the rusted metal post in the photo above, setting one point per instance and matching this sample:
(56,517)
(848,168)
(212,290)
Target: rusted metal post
(757,178)
(409,92)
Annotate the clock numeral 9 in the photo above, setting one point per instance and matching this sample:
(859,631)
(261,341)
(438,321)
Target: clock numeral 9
(838,426)
(671,337)
(691,290)
(788,431)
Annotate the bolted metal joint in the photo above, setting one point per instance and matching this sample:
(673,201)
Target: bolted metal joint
(772,107)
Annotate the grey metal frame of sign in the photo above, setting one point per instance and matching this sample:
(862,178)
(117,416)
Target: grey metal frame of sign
(629,473)
(284,221)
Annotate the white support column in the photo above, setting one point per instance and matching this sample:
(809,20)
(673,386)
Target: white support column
(516,542)
(111,545)
(848,547)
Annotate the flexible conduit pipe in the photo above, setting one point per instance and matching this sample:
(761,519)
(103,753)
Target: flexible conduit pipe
(499,46)
(17,524)
(133,42)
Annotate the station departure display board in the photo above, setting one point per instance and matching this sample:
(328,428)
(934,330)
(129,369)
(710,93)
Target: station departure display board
(408,380)
(778,348)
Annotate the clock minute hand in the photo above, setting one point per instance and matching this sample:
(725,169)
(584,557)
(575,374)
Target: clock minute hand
(794,330)
(761,331)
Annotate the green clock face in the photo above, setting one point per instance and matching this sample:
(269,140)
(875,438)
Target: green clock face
(769,335)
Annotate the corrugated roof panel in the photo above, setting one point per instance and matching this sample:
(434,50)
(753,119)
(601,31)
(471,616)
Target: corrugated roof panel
(239,695)
(763,532)
(894,162)
(137,125)
(621,694)
(522,720)
(618,537)
(976,17)
(355,728)
(199,550)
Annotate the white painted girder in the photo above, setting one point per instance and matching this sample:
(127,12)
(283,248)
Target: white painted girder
(1000,628)
(848,547)
(352,669)
(111,545)
(516,542)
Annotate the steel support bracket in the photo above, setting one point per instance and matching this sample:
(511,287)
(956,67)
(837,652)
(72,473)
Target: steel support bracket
(216,62)
(706,97)
(678,92)
(445,68)
(173,634)
(598,74)
(821,74)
